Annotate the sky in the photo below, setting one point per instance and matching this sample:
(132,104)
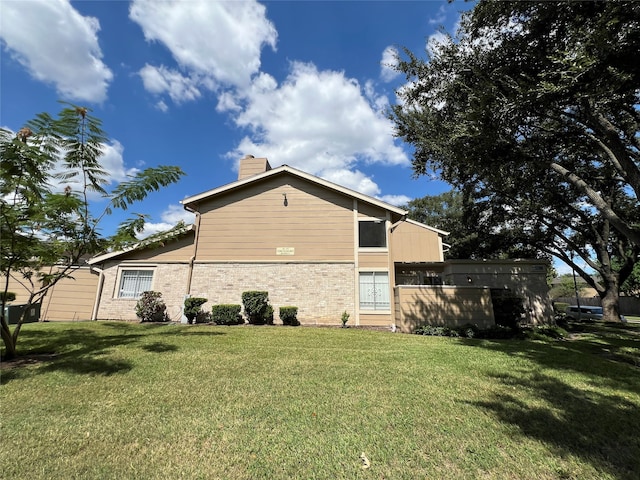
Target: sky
(200,84)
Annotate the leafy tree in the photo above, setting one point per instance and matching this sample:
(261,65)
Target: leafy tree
(534,108)
(470,224)
(46,233)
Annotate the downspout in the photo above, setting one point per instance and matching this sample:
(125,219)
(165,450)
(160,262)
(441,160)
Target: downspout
(96,304)
(195,248)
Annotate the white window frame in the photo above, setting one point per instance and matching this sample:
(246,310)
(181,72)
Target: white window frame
(141,284)
(381,292)
(374,220)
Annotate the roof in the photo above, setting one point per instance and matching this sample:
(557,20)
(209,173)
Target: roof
(296,173)
(147,242)
(433,229)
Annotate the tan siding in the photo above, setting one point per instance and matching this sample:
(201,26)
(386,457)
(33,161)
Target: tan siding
(366,210)
(250,224)
(179,250)
(412,243)
(71,299)
(373,260)
(377,320)
(443,305)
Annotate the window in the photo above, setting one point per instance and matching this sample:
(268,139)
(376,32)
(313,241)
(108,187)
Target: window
(372,233)
(374,291)
(134,282)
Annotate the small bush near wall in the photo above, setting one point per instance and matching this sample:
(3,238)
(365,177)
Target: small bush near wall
(8,297)
(192,307)
(257,308)
(227,314)
(508,309)
(151,308)
(495,332)
(289,316)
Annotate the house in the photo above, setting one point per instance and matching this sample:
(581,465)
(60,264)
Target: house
(310,243)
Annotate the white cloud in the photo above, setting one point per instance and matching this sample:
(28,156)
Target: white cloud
(397,200)
(169,218)
(161,79)
(440,16)
(388,63)
(317,121)
(214,43)
(56,45)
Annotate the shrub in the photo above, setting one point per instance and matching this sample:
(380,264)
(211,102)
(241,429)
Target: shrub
(268,315)
(203,317)
(227,314)
(7,296)
(560,307)
(507,308)
(257,308)
(151,307)
(466,331)
(192,307)
(289,316)
(344,319)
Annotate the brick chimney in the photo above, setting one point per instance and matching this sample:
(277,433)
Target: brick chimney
(250,166)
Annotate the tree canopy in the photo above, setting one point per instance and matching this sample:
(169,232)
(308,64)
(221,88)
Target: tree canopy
(534,107)
(46,231)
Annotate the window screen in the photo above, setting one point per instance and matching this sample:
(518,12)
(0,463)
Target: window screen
(372,234)
(374,291)
(134,282)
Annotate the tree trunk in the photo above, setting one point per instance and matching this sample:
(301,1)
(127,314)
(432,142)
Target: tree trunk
(610,304)
(7,338)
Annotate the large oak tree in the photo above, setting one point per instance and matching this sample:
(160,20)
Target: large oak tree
(534,105)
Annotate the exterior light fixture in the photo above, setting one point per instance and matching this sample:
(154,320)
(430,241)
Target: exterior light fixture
(286,202)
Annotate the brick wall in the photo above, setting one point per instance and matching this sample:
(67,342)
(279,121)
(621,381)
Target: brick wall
(321,291)
(169,279)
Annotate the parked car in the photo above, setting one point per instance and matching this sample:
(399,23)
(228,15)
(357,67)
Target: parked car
(587,313)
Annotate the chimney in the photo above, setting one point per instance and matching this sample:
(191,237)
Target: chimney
(250,166)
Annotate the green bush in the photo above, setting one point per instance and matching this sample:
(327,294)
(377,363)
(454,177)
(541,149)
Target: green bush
(268,315)
(289,316)
(151,308)
(7,296)
(560,307)
(495,332)
(507,308)
(257,308)
(192,307)
(226,314)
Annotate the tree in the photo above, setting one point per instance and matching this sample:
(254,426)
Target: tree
(534,107)
(46,233)
(471,227)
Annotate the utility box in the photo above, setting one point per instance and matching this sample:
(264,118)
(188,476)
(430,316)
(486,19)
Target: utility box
(13,313)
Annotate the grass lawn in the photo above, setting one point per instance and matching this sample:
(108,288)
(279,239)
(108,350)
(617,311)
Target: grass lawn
(121,400)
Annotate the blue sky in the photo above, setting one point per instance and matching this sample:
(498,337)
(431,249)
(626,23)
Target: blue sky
(200,84)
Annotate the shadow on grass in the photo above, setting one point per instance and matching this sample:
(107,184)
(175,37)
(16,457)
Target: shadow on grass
(599,429)
(77,350)
(600,423)
(159,347)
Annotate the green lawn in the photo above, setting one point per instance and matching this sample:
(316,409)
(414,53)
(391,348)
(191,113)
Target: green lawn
(118,400)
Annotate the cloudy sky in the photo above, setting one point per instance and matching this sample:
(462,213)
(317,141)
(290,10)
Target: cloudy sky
(200,84)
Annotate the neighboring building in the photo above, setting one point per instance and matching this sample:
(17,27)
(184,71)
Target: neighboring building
(312,244)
